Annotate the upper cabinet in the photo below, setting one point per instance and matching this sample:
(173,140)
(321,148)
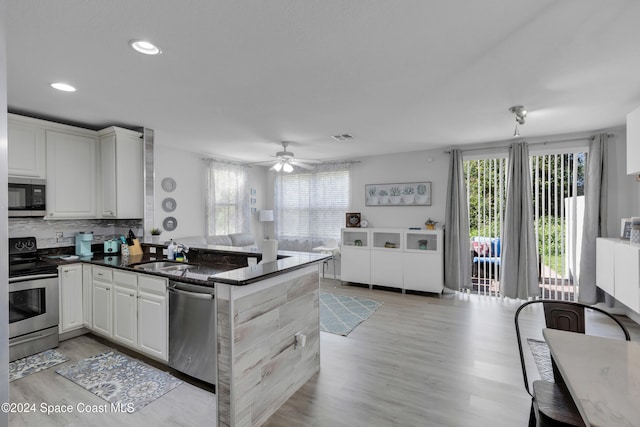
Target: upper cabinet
(26,148)
(633,142)
(121,177)
(89,174)
(71,174)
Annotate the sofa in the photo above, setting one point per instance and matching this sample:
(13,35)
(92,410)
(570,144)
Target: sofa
(235,239)
(485,257)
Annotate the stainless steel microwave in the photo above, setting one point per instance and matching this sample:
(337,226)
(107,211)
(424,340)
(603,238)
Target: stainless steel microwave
(27,197)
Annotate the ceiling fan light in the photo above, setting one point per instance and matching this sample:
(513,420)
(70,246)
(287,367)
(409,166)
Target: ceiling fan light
(287,168)
(277,166)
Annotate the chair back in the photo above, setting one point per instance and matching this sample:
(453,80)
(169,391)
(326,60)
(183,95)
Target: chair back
(564,315)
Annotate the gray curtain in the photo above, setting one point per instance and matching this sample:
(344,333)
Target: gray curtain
(519,256)
(595,218)
(457,257)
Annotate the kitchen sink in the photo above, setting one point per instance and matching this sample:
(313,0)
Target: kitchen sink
(164,266)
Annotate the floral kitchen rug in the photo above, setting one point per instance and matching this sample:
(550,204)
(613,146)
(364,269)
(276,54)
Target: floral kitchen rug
(340,314)
(120,380)
(31,364)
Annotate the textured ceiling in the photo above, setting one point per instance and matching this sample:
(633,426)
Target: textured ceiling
(237,77)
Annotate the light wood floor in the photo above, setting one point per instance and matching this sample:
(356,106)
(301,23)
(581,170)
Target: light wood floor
(417,361)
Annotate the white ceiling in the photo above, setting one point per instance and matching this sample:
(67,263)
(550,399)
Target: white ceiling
(237,77)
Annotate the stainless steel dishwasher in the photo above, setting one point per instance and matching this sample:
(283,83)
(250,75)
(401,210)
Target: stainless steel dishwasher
(192,330)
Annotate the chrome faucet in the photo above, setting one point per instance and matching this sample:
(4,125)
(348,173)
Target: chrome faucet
(182,249)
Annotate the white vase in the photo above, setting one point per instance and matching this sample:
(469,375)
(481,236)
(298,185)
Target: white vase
(407,199)
(395,200)
(373,200)
(421,199)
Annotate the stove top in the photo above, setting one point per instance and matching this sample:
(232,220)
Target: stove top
(24,261)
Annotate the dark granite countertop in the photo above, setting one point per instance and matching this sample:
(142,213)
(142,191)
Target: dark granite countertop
(206,266)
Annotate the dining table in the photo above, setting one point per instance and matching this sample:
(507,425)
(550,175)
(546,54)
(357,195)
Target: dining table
(601,374)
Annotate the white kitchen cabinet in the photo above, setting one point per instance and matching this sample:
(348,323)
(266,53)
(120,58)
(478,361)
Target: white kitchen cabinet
(102,287)
(125,307)
(153,316)
(400,258)
(87,300)
(71,174)
(121,173)
(26,147)
(618,270)
(423,261)
(355,256)
(70,295)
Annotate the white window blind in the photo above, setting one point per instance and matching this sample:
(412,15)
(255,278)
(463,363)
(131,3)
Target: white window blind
(310,207)
(227,200)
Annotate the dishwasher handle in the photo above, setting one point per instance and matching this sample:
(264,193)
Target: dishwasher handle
(190,294)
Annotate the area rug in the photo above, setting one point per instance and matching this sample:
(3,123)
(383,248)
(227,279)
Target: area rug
(120,380)
(542,357)
(31,364)
(340,314)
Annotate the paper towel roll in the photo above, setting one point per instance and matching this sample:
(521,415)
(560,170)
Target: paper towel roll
(269,250)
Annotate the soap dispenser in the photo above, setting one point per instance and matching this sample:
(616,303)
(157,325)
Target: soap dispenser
(171,250)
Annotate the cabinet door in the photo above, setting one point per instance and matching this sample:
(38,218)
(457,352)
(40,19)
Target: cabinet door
(70,281)
(26,149)
(71,175)
(125,325)
(108,159)
(153,324)
(153,315)
(605,252)
(423,272)
(355,265)
(386,267)
(87,318)
(627,275)
(102,307)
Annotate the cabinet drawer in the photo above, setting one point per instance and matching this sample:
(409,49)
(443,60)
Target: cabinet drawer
(103,274)
(125,279)
(152,284)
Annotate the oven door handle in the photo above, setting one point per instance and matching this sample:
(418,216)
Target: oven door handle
(22,340)
(32,277)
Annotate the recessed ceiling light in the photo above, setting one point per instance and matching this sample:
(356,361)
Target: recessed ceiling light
(145,47)
(63,87)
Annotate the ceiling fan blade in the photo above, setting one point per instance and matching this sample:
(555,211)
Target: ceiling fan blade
(301,165)
(313,162)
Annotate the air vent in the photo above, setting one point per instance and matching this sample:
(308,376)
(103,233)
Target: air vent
(343,137)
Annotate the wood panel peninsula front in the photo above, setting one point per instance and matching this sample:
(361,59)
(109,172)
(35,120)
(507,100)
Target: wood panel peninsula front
(268,321)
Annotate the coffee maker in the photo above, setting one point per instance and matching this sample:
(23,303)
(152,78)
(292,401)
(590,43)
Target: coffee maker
(83,243)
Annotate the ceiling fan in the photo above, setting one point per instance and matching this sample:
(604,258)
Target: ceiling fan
(285,161)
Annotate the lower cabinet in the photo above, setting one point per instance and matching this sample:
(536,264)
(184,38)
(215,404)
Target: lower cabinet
(102,287)
(153,311)
(70,294)
(618,270)
(131,309)
(87,299)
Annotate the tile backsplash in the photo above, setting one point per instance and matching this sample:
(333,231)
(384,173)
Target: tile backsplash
(45,231)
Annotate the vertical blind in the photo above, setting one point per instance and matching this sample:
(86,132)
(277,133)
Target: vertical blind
(227,199)
(310,206)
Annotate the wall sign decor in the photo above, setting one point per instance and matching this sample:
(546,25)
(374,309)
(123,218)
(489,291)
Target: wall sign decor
(401,194)
(169,204)
(168,185)
(353,219)
(170,223)
(625,228)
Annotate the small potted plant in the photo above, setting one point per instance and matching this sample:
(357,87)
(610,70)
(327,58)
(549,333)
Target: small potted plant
(407,195)
(421,197)
(395,194)
(383,197)
(373,197)
(155,234)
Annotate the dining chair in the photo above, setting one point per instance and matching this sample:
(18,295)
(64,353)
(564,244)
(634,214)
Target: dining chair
(551,402)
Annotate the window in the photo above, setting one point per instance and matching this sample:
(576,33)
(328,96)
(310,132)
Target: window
(311,206)
(227,206)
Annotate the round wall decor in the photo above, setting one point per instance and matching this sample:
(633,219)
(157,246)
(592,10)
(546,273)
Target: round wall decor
(170,223)
(169,204)
(168,185)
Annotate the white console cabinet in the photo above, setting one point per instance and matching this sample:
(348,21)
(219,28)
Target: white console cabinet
(393,257)
(618,270)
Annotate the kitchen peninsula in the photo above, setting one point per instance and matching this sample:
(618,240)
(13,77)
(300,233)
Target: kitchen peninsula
(267,322)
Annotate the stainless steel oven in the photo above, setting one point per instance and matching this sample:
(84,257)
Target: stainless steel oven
(33,300)
(33,314)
